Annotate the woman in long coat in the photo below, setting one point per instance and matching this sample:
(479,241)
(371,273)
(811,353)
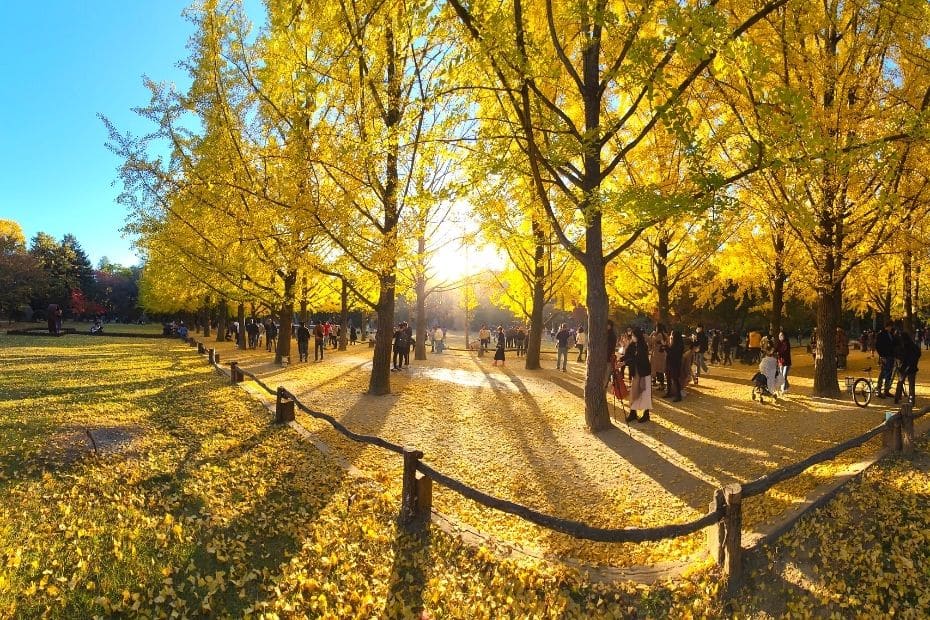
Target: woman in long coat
(674,355)
(657,346)
(501,341)
(636,359)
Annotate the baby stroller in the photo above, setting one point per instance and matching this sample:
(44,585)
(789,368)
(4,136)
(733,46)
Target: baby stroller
(760,388)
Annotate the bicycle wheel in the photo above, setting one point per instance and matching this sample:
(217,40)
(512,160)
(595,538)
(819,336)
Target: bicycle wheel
(862,392)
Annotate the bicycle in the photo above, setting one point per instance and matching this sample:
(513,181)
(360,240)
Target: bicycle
(861,388)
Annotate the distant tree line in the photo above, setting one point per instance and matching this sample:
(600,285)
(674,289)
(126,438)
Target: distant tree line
(50,271)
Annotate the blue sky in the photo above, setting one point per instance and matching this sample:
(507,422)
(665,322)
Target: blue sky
(62,63)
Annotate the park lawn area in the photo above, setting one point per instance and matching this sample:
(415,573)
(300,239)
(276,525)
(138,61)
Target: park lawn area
(196,504)
(84,327)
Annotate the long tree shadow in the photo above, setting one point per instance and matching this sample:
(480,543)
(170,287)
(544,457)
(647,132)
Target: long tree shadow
(409,572)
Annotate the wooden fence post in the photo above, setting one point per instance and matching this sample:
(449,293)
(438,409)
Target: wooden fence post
(716,533)
(907,428)
(409,500)
(211,355)
(235,375)
(284,407)
(891,438)
(733,562)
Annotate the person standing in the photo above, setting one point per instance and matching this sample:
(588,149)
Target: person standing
(271,335)
(521,337)
(636,359)
(884,346)
(581,340)
(561,343)
(700,337)
(673,361)
(730,342)
(499,355)
(400,336)
(484,339)
(319,342)
(303,342)
(408,342)
(783,355)
(658,344)
(842,348)
(908,355)
(437,339)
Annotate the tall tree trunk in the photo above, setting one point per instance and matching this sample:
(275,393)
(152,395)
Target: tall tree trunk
(222,318)
(206,317)
(419,349)
(380,381)
(778,284)
(917,304)
(286,317)
(344,317)
(597,416)
(886,304)
(303,300)
(662,283)
(240,316)
(825,383)
(908,292)
(534,337)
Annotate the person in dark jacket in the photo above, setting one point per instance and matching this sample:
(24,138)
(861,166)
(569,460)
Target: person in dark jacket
(636,359)
(673,358)
(400,344)
(884,346)
(319,342)
(303,342)
(908,353)
(499,355)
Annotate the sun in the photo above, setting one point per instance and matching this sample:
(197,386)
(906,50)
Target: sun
(454,260)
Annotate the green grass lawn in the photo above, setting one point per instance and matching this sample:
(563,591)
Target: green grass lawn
(84,326)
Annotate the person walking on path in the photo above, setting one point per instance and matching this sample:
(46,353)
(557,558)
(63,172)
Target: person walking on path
(561,341)
(499,355)
(700,337)
(884,346)
(673,360)
(636,359)
(581,340)
(303,342)
(908,355)
(319,342)
(783,354)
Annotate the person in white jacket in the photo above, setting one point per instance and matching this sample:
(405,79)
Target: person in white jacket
(769,367)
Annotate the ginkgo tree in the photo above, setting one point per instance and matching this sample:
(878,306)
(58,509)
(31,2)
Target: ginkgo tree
(844,92)
(584,84)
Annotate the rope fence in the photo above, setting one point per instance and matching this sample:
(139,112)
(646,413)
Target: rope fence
(722,523)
